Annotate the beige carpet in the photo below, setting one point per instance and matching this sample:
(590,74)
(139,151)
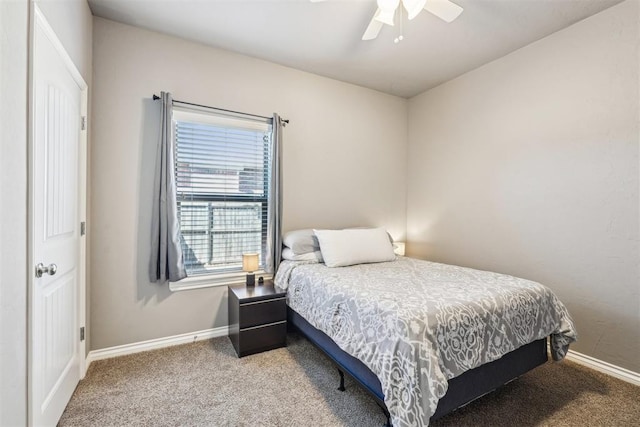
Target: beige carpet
(205,384)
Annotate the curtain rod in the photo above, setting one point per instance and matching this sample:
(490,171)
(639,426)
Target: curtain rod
(155,97)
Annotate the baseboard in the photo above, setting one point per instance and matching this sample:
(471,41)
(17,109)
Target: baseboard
(137,347)
(604,367)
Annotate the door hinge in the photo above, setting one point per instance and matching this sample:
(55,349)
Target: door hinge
(82,334)
(83,122)
(83,228)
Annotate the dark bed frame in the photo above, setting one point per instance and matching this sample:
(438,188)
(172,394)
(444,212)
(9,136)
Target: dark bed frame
(462,389)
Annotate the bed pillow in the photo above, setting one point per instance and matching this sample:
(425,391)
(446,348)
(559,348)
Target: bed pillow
(368,228)
(341,248)
(288,254)
(301,241)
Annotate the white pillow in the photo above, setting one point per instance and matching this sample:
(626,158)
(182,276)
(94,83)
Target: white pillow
(288,254)
(301,241)
(341,248)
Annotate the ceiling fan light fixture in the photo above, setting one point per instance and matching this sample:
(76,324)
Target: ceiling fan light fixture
(413,7)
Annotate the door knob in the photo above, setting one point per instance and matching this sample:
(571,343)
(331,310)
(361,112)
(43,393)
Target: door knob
(41,269)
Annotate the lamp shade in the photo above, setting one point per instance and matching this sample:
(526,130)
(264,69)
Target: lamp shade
(249,262)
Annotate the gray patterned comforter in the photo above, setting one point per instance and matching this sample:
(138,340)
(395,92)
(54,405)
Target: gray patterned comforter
(416,323)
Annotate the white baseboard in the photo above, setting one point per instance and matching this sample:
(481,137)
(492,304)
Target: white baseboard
(137,347)
(604,367)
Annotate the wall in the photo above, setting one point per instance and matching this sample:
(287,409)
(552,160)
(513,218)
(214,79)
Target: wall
(344,160)
(73,19)
(529,166)
(72,22)
(14,31)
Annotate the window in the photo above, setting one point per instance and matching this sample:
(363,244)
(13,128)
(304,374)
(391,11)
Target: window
(222,179)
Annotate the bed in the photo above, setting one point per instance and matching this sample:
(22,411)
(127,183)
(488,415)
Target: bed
(424,338)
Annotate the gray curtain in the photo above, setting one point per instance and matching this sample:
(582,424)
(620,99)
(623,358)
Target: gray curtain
(274,214)
(167,261)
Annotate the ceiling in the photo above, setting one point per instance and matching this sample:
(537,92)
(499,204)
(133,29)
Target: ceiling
(325,37)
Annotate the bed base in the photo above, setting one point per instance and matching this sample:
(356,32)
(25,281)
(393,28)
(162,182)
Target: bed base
(462,389)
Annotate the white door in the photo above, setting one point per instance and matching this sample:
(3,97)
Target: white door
(57,183)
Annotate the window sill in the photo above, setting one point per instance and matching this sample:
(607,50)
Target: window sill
(213,280)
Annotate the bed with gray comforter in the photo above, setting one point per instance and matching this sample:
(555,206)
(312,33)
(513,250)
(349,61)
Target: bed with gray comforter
(416,324)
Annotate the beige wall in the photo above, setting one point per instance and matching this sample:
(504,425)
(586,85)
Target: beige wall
(73,23)
(14,31)
(529,166)
(344,165)
(73,19)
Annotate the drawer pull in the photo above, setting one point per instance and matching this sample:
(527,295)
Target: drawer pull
(263,326)
(244,304)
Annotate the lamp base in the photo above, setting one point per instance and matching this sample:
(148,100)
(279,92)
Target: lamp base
(251,280)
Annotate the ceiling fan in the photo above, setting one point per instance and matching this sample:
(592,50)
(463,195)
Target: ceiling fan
(386,11)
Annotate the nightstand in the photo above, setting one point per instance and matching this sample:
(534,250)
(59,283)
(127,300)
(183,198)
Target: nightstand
(257,318)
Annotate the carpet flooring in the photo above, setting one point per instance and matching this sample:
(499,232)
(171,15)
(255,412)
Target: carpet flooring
(205,384)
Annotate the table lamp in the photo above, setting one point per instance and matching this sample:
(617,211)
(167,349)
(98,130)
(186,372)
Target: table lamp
(250,264)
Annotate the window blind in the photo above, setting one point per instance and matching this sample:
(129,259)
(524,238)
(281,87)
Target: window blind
(222,185)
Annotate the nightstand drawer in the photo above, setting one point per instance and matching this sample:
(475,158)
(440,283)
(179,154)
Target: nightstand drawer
(262,338)
(262,312)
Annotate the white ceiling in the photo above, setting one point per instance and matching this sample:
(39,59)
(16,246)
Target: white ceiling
(324,38)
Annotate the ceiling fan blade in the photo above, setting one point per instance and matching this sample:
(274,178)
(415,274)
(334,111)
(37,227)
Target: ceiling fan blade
(443,9)
(374,27)
(385,16)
